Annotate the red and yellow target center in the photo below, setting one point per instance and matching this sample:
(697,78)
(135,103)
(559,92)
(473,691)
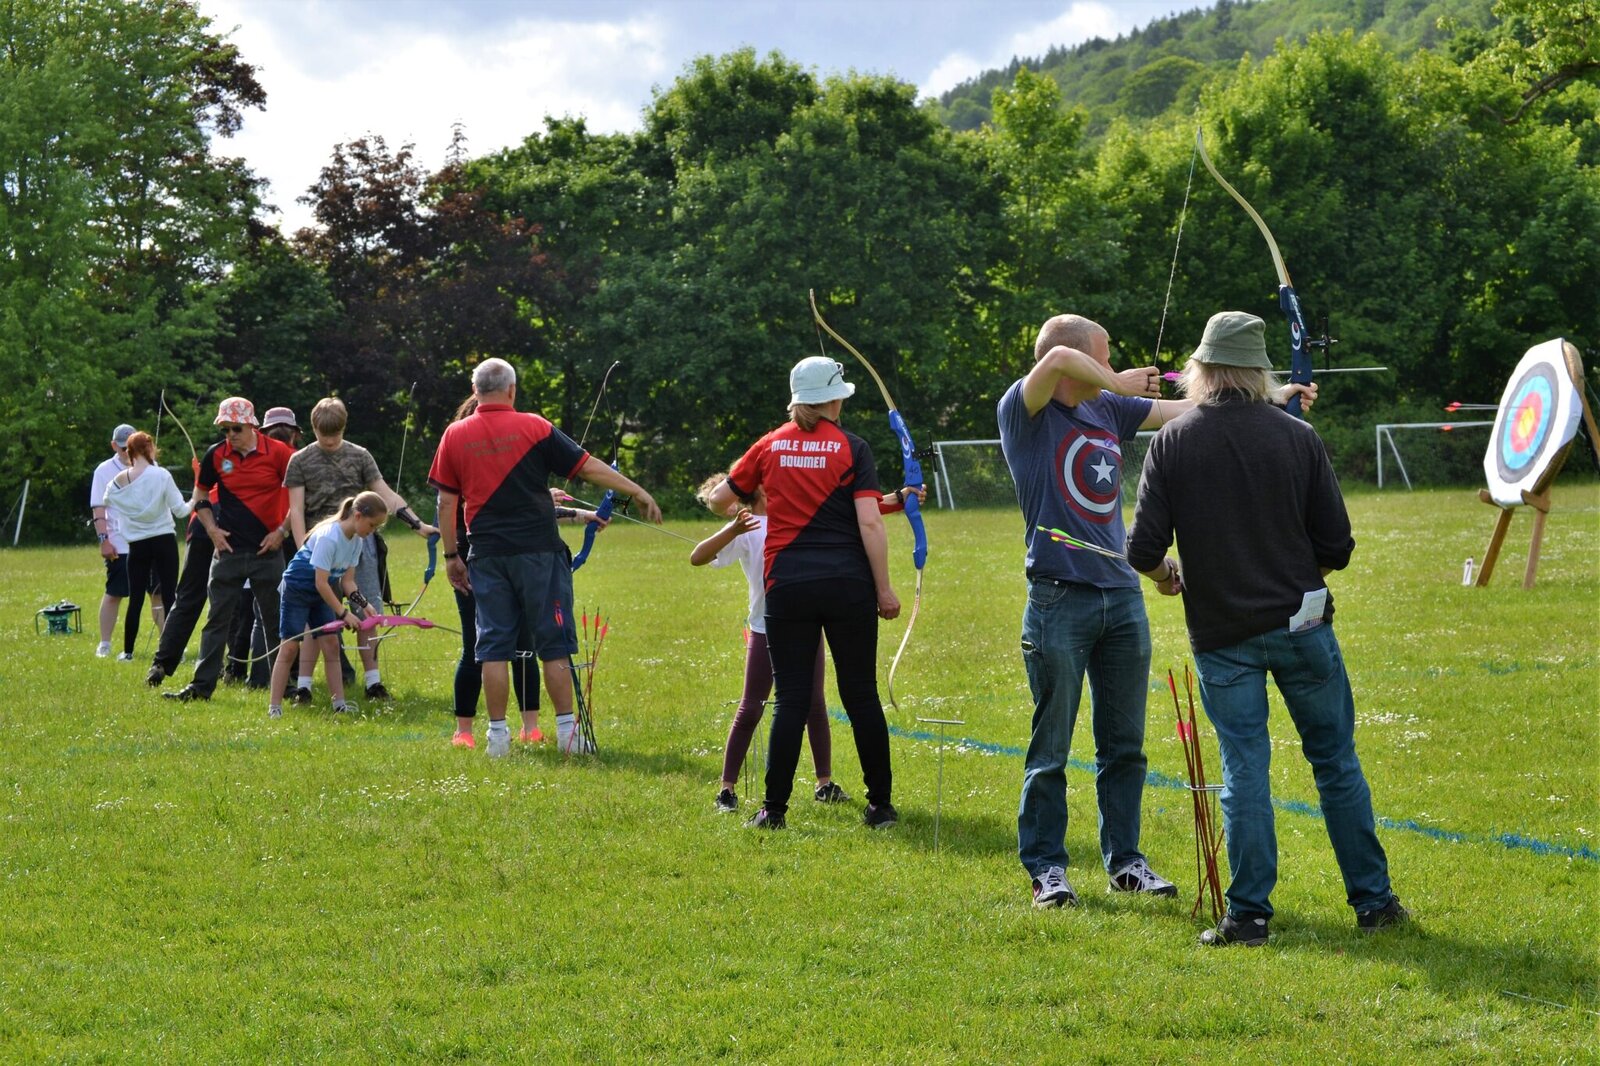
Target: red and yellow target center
(1527,422)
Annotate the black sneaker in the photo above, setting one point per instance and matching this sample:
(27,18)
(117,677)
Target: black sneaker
(156,675)
(764,819)
(1389,915)
(301,696)
(880,815)
(1251,931)
(831,793)
(727,802)
(187,694)
(376,691)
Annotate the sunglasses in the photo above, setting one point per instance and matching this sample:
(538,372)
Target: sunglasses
(233,429)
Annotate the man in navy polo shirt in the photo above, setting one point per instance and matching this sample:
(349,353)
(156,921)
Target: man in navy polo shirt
(246,527)
(497,462)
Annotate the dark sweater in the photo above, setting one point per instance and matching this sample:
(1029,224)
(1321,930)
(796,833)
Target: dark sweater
(1249,493)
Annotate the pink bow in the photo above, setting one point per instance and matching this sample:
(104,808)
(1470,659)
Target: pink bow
(381,620)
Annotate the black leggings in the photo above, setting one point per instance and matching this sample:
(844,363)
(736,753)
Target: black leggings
(798,615)
(469,672)
(157,555)
(183,612)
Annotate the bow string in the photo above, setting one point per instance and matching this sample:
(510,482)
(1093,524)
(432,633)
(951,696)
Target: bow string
(911,472)
(608,502)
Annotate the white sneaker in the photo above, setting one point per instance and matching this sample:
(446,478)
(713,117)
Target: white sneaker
(1050,889)
(1138,877)
(499,743)
(124,657)
(578,744)
(103,651)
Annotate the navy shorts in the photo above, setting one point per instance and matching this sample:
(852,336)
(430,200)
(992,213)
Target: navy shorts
(117,578)
(299,610)
(510,590)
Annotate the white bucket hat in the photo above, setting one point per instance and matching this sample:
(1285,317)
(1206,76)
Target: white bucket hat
(818,380)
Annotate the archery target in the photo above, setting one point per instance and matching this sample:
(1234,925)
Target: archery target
(1089,474)
(1536,422)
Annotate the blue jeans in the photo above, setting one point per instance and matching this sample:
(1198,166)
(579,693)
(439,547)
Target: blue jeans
(1309,672)
(1069,630)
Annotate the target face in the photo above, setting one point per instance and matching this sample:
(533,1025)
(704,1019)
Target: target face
(1089,474)
(1537,420)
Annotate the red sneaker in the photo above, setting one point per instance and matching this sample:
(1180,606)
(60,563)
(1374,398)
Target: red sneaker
(463,740)
(531,736)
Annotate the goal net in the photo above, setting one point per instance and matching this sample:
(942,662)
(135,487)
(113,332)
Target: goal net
(1431,453)
(973,473)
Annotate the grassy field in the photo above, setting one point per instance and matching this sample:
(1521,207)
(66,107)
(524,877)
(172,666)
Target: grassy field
(198,883)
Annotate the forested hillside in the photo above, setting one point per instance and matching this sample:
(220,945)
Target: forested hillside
(1439,206)
(1167,62)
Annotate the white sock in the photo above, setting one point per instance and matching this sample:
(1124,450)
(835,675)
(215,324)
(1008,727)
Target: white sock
(565,724)
(497,728)
(304,681)
(372,678)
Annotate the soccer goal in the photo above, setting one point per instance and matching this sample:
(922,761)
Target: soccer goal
(973,473)
(1439,455)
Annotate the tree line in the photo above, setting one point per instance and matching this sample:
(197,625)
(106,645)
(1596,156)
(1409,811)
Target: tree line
(1440,207)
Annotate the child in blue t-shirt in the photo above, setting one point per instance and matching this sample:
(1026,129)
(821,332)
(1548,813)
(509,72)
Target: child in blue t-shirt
(307,600)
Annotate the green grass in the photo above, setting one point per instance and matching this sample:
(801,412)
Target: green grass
(198,883)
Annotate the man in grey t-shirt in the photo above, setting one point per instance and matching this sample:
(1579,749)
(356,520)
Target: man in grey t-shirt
(320,476)
(1062,428)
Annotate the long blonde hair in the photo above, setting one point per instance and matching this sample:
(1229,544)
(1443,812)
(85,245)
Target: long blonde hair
(1204,383)
(367,504)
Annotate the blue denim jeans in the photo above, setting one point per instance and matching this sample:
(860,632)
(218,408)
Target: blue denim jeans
(1309,672)
(1068,631)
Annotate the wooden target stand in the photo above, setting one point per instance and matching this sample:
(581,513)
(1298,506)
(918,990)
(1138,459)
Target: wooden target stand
(1543,470)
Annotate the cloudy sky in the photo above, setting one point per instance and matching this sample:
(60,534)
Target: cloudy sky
(337,69)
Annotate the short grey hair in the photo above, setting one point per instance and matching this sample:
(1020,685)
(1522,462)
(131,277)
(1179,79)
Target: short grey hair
(492,376)
(1205,382)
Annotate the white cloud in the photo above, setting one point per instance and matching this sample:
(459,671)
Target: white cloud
(410,85)
(1081,21)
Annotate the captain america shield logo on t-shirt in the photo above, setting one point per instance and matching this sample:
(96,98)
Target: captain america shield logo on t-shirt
(1089,474)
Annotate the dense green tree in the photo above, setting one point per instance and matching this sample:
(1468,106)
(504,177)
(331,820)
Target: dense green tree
(859,194)
(592,196)
(426,282)
(116,218)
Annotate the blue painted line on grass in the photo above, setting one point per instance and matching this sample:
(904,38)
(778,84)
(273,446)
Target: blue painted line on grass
(1511,841)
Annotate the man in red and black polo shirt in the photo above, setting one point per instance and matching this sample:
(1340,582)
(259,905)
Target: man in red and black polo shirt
(497,462)
(246,525)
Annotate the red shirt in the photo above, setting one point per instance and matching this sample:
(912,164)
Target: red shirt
(812,481)
(248,499)
(499,462)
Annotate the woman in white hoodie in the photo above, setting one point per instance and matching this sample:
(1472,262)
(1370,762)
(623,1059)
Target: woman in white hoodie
(146,501)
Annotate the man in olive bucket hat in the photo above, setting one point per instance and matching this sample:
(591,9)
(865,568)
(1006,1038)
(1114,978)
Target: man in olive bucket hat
(1249,492)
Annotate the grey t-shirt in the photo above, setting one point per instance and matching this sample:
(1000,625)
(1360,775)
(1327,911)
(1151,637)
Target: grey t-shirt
(328,477)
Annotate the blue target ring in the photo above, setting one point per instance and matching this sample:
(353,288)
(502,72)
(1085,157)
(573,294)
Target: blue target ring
(1528,422)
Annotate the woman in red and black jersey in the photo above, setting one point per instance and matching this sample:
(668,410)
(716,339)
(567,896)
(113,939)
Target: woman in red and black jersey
(827,573)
